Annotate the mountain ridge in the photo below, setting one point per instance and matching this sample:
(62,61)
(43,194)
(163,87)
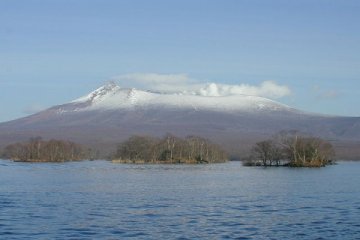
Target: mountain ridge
(111,96)
(110,114)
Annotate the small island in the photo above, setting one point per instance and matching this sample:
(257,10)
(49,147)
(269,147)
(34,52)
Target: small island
(169,150)
(38,150)
(288,148)
(292,149)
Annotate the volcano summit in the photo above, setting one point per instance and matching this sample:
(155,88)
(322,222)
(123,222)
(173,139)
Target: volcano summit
(111,114)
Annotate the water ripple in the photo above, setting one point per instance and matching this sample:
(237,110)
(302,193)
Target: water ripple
(100,200)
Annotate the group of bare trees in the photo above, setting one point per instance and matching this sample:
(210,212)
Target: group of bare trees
(169,149)
(286,148)
(292,149)
(38,150)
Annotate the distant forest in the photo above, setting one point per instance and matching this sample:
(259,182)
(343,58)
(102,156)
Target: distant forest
(38,150)
(169,149)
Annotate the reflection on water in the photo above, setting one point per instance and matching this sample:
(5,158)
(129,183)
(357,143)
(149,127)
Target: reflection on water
(98,199)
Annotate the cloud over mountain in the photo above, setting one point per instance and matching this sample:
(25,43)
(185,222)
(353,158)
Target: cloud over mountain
(268,89)
(181,83)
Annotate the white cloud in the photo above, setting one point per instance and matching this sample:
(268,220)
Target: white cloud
(268,89)
(158,82)
(181,83)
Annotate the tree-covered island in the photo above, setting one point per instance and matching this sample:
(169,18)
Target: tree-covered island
(292,149)
(288,148)
(38,150)
(169,149)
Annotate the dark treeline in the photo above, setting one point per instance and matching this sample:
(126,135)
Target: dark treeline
(288,148)
(169,149)
(292,149)
(38,150)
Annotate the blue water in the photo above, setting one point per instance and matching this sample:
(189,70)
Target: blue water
(101,200)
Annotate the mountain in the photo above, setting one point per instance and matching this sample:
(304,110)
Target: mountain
(111,114)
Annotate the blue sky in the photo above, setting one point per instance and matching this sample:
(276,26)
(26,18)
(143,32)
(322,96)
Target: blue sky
(53,51)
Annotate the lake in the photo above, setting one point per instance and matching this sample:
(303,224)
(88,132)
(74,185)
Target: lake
(102,200)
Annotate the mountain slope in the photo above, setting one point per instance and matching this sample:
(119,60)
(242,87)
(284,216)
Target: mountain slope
(111,114)
(112,97)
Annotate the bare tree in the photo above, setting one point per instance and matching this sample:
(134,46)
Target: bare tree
(267,152)
(137,148)
(298,149)
(37,149)
(169,149)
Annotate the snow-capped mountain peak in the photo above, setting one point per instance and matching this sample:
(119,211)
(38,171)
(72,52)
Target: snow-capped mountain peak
(112,96)
(111,114)
(99,93)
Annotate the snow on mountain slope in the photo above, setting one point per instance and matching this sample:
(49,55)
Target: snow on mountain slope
(111,96)
(111,114)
